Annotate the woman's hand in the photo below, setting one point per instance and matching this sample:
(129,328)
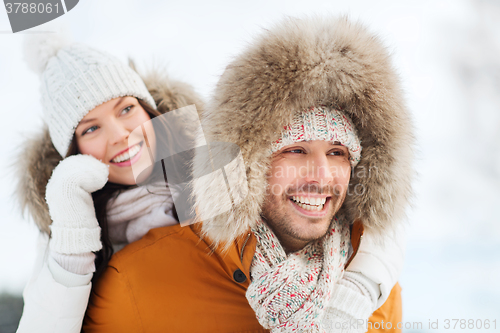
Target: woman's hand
(74,226)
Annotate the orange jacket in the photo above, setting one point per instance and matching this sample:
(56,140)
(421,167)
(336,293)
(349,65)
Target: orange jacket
(172,281)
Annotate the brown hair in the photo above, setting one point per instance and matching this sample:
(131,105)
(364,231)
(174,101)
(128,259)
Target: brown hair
(112,190)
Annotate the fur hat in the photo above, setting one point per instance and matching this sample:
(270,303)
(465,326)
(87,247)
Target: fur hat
(297,64)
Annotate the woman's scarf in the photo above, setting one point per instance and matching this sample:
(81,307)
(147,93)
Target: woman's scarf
(289,292)
(134,212)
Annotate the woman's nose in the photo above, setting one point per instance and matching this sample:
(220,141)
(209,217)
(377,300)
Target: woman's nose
(117,132)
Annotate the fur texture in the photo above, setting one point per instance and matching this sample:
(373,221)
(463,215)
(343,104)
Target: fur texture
(38,156)
(298,64)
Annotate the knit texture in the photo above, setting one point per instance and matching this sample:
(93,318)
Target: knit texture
(380,262)
(81,263)
(366,286)
(74,227)
(136,211)
(321,123)
(289,292)
(347,311)
(78,79)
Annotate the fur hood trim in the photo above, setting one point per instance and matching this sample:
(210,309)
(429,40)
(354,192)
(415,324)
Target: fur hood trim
(38,156)
(295,65)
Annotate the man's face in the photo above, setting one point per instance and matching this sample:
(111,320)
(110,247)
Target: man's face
(307,185)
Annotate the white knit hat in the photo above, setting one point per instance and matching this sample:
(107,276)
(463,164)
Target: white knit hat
(321,123)
(76,79)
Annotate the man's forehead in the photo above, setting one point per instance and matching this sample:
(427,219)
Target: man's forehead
(331,143)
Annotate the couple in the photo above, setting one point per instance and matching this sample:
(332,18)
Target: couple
(313,245)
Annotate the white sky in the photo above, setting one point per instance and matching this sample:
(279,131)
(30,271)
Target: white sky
(446,52)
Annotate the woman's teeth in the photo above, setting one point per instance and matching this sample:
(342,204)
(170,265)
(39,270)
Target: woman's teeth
(127,155)
(313,204)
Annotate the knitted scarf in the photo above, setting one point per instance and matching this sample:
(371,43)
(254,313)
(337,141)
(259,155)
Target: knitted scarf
(289,292)
(134,212)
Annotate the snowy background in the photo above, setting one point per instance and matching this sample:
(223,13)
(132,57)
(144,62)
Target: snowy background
(448,55)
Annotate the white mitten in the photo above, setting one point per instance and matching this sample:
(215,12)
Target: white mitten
(379,262)
(74,225)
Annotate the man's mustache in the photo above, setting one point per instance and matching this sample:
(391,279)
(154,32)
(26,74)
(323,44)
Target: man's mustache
(313,189)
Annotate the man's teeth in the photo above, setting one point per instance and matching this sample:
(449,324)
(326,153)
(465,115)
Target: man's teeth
(313,204)
(127,155)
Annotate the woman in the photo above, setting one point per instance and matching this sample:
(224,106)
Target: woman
(92,103)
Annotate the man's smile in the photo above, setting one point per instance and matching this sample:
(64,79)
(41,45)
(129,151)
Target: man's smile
(311,206)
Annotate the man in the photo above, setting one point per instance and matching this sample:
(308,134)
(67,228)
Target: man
(317,113)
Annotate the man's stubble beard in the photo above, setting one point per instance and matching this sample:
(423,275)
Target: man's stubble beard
(279,218)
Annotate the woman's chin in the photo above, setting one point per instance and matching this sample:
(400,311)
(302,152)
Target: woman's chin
(136,174)
(141,176)
(122,180)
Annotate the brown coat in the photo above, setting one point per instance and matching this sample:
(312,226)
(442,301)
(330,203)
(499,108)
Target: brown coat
(173,281)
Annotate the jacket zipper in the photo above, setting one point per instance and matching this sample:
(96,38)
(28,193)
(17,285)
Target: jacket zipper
(243,247)
(356,251)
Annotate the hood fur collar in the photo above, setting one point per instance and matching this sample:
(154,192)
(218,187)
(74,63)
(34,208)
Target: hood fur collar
(295,65)
(38,157)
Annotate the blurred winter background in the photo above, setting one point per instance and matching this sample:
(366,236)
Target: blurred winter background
(448,55)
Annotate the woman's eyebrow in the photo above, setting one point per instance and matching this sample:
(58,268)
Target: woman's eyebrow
(118,102)
(83,121)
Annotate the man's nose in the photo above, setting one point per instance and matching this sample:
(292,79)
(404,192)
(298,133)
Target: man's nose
(318,169)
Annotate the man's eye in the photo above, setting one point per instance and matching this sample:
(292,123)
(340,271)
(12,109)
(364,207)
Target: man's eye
(89,130)
(127,109)
(296,151)
(337,153)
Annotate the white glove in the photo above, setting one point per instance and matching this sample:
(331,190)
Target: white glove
(348,309)
(380,260)
(74,225)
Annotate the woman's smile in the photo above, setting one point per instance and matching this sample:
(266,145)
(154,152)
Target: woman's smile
(114,141)
(129,156)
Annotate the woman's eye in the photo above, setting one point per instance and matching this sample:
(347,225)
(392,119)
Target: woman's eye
(127,109)
(89,130)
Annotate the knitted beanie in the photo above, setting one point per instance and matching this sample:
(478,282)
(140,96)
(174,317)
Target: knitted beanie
(76,79)
(321,123)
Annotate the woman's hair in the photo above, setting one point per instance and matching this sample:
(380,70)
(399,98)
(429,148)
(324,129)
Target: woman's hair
(112,190)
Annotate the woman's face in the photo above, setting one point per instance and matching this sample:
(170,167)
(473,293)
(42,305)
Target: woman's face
(106,133)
